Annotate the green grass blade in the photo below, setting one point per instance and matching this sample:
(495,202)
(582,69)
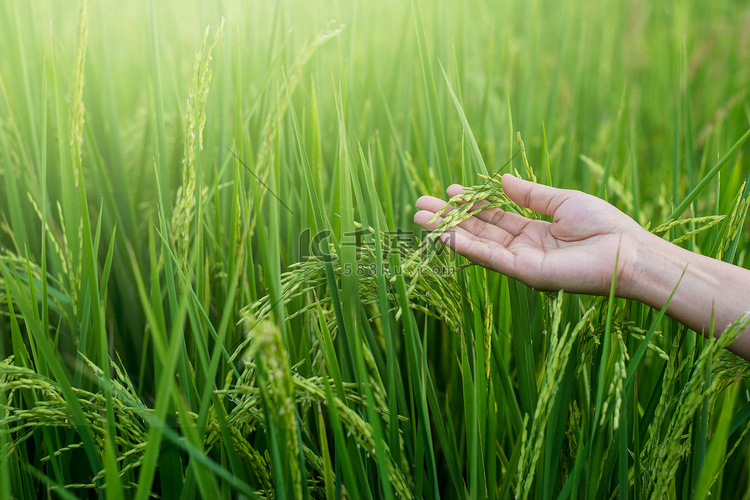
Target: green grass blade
(684,204)
(48,355)
(716,448)
(433,108)
(522,347)
(479,161)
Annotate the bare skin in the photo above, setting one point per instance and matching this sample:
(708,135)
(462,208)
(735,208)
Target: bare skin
(578,250)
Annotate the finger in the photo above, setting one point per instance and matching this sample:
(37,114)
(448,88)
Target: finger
(489,253)
(458,189)
(488,250)
(486,253)
(473,225)
(455,190)
(490,232)
(508,221)
(423,218)
(434,205)
(537,197)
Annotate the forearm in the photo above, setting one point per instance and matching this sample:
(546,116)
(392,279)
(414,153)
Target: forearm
(706,287)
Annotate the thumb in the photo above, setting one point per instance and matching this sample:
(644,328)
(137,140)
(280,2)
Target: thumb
(537,197)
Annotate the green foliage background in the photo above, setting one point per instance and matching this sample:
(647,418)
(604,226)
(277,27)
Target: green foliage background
(166,327)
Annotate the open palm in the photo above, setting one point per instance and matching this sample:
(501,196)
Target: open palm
(576,252)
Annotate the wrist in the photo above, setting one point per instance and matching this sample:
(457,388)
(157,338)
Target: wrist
(707,295)
(654,270)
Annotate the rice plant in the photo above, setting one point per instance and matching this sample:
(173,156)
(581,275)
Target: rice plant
(211,284)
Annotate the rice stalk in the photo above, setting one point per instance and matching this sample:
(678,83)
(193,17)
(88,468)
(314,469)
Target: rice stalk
(195,122)
(736,222)
(267,352)
(560,347)
(76,109)
(60,301)
(707,222)
(616,386)
(247,415)
(269,129)
(473,200)
(433,285)
(613,185)
(52,411)
(529,171)
(669,439)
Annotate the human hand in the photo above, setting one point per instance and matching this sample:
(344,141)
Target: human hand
(576,252)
